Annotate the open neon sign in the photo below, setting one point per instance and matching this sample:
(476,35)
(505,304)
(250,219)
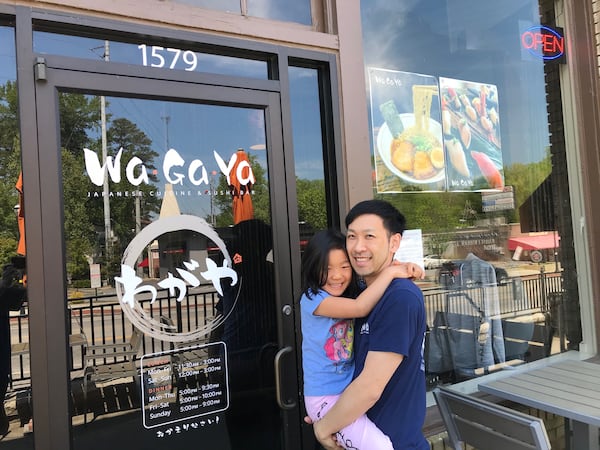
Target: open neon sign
(544,42)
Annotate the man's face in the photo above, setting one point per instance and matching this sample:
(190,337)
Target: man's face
(369,245)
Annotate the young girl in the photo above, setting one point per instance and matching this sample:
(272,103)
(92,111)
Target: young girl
(328,330)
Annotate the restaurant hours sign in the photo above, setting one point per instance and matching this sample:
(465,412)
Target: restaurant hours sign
(186,385)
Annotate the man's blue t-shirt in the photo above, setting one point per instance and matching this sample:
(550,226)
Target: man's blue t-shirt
(397,324)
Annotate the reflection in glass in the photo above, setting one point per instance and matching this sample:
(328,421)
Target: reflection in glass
(168,57)
(482,76)
(232,6)
(180,268)
(308,150)
(285,10)
(15,375)
(168,159)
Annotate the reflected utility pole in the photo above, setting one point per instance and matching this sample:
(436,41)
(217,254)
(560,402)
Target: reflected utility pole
(107,227)
(167,119)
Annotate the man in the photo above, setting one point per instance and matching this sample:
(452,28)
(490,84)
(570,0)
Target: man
(389,378)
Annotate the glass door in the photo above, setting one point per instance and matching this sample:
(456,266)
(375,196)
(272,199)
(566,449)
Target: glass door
(172,232)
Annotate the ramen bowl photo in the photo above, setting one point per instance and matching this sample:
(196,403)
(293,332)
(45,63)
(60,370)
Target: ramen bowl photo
(415,155)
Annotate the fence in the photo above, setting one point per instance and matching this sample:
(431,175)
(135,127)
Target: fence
(514,296)
(99,320)
(99,317)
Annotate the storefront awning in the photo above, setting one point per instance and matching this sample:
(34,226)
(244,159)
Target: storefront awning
(534,242)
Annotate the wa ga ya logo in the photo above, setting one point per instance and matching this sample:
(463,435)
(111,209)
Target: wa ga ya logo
(173,168)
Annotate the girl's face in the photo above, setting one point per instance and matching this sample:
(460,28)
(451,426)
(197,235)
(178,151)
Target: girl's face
(339,273)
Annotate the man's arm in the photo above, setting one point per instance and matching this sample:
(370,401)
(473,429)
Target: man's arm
(359,396)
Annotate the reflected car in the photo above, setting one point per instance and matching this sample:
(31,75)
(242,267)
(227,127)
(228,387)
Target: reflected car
(450,275)
(434,261)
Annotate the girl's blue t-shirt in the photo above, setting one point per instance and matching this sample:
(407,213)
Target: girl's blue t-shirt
(327,349)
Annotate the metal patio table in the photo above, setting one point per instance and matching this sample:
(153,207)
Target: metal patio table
(569,388)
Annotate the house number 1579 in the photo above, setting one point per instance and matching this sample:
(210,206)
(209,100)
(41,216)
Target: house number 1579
(156,56)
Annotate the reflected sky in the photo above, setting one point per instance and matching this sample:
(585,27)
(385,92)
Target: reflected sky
(147,55)
(285,10)
(195,131)
(306,119)
(232,6)
(8,62)
(470,41)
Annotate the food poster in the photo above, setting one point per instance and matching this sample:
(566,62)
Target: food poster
(407,132)
(471,127)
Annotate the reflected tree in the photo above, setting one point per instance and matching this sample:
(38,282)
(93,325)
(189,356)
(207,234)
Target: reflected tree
(312,206)
(129,205)
(10,166)
(83,216)
(78,228)
(433,211)
(525,179)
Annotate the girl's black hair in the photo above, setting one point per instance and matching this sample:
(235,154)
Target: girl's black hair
(315,261)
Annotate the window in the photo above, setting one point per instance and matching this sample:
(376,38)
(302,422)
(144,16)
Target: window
(177,56)
(14,334)
(457,148)
(308,151)
(284,10)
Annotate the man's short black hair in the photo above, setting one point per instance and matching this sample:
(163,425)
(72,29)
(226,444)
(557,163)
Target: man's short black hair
(393,220)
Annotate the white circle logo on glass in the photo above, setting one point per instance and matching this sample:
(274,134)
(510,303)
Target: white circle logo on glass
(130,287)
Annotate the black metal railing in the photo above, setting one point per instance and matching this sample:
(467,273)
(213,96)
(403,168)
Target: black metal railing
(513,296)
(99,318)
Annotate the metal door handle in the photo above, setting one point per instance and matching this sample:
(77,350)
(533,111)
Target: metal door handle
(283,404)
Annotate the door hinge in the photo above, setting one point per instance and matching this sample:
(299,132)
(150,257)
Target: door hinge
(39,69)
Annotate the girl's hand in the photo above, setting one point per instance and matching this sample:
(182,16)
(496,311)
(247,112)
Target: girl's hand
(407,270)
(329,442)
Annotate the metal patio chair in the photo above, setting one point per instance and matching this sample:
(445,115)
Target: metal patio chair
(107,362)
(487,426)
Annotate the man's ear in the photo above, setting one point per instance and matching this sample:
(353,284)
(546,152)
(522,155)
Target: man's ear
(395,241)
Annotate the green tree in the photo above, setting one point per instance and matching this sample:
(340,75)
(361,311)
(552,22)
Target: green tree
(79,119)
(9,129)
(79,123)
(124,134)
(78,229)
(8,246)
(525,179)
(124,206)
(83,217)
(10,166)
(434,211)
(312,207)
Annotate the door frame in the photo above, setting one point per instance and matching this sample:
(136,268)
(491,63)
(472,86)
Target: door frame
(53,430)
(51,381)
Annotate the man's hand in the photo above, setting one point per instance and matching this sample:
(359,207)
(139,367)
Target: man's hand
(329,442)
